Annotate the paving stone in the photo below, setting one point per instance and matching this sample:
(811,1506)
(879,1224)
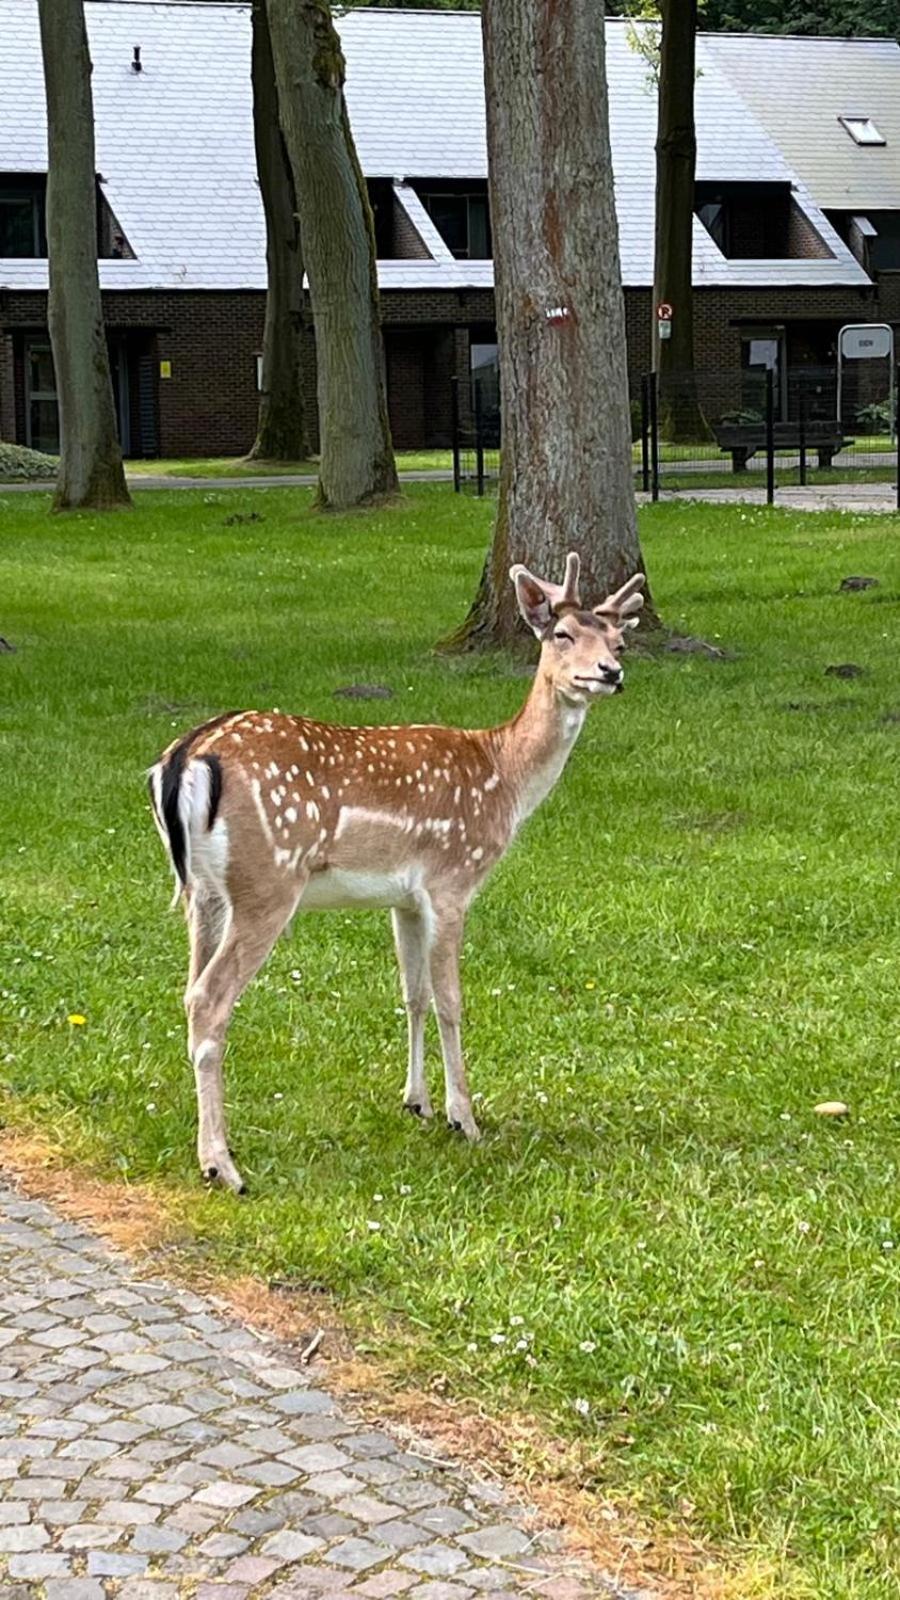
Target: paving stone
(289,1545)
(128,1513)
(74,1589)
(357,1554)
(88,1535)
(441,1591)
(385,1585)
(334,1485)
(39,1565)
(13,1512)
(225,1495)
(115,1563)
(437,1560)
(365,1508)
(61,1513)
(23,1537)
(316,1458)
(402,1535)
(252,1569)
(155,1540)
(223,1545)
(500,1539)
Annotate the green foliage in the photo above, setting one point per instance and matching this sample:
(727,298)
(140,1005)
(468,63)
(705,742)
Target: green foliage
(878,419)
(694,941)
(21,465)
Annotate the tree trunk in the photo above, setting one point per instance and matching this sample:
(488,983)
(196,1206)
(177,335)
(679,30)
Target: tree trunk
(90,465)
(680,416)
(281,433)
(357,458)
(566,477)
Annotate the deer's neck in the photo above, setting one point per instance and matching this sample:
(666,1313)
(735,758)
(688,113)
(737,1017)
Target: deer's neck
(532,750)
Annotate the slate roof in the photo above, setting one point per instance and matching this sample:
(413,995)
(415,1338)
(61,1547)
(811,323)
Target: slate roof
(800,87)
(175,141)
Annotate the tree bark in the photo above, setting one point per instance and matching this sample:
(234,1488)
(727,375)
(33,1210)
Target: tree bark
(90,465)
(676,161)
(357,458)
(281,432)
(566,476)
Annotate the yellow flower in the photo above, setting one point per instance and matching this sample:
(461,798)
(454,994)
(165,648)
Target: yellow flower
(591,984)
(76,1019)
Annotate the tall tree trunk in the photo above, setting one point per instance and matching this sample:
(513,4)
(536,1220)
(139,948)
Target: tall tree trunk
(566,476)
(357,458)
(676,163)
(281,433)
(90,466)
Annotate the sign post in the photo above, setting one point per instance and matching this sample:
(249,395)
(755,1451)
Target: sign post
(664,315)
(866,341)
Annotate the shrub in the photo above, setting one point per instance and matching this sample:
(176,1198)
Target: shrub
(21,465)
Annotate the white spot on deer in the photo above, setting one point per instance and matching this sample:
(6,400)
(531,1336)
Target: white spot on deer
(291,814)
(237,738)
(312,811)
(275,796)
(310,779)
(278,821)
(303,743)
(491,782)
(282,857)
(326,792)
(457,795)
(477,853)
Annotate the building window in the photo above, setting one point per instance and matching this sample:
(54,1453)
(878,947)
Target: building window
(41,404)
(762,351)
(862,130)
(463,221)
(20,223)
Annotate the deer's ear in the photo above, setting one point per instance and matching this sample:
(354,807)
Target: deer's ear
(534,603)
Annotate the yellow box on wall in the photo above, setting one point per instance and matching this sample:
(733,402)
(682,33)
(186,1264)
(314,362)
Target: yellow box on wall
(165,369)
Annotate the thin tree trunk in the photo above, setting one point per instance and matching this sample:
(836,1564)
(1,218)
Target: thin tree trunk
(676,162)
(357,458)
(90,466)
(281,432)
(566,477)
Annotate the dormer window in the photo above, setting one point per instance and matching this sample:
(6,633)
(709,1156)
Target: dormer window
(862,130)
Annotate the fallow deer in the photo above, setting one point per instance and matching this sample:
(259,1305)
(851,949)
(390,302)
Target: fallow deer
(264,814)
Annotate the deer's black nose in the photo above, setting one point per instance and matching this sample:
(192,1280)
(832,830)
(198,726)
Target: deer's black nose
(612,675)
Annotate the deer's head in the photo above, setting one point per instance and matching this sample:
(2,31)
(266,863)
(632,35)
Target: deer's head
(579,648)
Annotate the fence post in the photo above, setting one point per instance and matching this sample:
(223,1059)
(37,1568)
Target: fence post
(645,428)
(479,442)
(802,435)
(770,437)
(653,387)
(454,427)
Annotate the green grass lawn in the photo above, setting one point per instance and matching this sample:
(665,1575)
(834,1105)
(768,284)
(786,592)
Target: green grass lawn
(239,467)
(658,1248)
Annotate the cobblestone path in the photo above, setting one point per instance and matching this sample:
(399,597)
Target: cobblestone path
(152,1447)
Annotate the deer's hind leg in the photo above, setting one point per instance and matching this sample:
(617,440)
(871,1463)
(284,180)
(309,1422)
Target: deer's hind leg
(411,937)
(249,931)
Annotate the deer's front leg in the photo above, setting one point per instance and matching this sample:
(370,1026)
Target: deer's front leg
(411,940)
(445,948)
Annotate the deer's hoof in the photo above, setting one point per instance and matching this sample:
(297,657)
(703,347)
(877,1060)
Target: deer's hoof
(418,1108)
(466,1125)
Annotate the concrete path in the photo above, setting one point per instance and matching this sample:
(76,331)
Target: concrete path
(286,480)
(154,1448)
(815,497)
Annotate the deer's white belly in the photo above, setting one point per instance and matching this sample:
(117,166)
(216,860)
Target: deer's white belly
(337,888)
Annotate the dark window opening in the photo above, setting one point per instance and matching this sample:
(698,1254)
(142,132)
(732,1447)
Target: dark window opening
(461,215)
(23,224)
(757,221)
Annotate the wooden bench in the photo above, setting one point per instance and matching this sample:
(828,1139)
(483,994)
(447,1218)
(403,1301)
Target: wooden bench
(743,439)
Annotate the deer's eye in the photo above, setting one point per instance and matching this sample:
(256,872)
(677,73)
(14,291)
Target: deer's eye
(563,635)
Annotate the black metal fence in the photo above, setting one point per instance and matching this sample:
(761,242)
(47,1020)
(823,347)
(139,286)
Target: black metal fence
(761,429)
(476,433)
(754,430)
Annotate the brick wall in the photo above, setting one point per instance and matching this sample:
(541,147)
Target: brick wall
(209,405)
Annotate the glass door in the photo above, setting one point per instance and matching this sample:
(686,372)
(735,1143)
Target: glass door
(41,404)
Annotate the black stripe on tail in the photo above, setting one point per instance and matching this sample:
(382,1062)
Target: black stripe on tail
(170,788)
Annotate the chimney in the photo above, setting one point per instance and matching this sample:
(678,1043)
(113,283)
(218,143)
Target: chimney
(136,64)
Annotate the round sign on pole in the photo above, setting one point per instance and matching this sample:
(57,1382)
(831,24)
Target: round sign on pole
(664,312)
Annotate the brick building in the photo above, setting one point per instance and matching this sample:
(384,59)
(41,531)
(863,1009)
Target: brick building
(797,224)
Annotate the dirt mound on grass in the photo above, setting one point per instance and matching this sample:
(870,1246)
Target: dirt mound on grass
(20,465)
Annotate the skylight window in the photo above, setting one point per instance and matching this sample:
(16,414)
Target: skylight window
(862,130)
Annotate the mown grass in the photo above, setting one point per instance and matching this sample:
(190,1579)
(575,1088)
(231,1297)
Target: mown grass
(240,467)
(658,1247)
